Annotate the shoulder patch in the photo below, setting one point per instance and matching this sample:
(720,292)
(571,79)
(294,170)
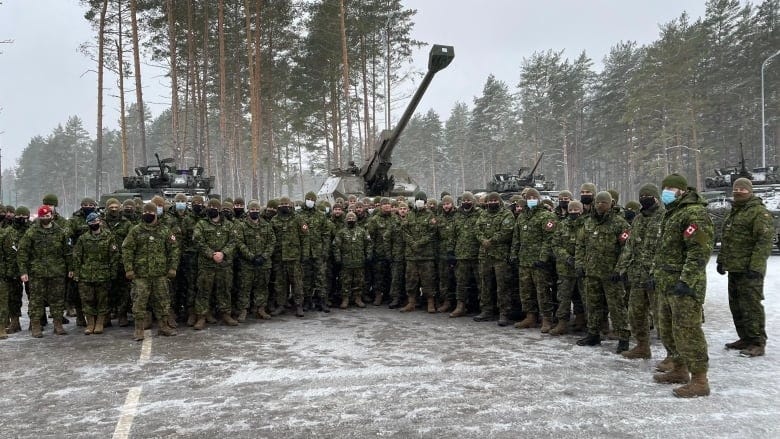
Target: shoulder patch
(305,227)
(624,236)
(692,228)
(550,225)
(173,237)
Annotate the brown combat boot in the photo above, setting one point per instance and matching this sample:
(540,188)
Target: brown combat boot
(738,345)
(241,318)
(445,307)
(580,323)
(210,317)
(359,301)
(699,386)
(431,305)
(460,309)
(378,298)
(560,328)
(411,304)
(344,302)
(148,321)
(546,325)
(756,350)
(640,352)
(35,329)
(528,322)
(15,325)
(3,334)
(261,314)
(100,321)
(191,317)
(138,334)
(165,329)
(228,319)
(172,319)
(678,375)
(90,329)
(58,329)
(665,365)
(122,320)
(200,322)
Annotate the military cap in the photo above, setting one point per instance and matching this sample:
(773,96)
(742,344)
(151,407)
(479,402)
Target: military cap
(128,203)
(310,196)
(743,183)
(447,199)
(420,195)
(603,197)
(532,192)
(403,204)
(443,194)
(93,217)
(633,205)
(377,199)
(158,200)
(385,200)
(50,199)
(111,201)
(180,197)
(615,194)
(214,203)
(150,208)
(649,190)
(285,200)
(254,204)
(239,201)
(575,205)
(467,196)
(22,211)
(44,210)
(227,205)
(272,204)
(87,200)
(675,181)
(565,194)
(351,216)
(588,187)
(493,196)
(198,199)
(229,200)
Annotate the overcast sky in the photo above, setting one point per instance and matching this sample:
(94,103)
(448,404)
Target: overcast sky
(44,78)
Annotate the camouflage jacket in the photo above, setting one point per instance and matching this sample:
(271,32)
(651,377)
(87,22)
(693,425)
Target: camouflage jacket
(316,242)
(531,237)
(119,228)
(447,222)
(563,245)
(254,239)
(290,232)
(96,257)
(600,242)
(419,233)
(150,250)
(397,240)
(10,246)
(45,252)
(466,242)
(210,237)
(77,225)
(380,228)
(494,233)
(685,241)
(746,243)
(352,246)
(183,225)
(636,260)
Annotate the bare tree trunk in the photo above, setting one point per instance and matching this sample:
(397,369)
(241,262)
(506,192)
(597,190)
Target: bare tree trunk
(345,76)
(99,140)
(191,103)
(122,112)
(254,63)
(366,121)
(388,102)
(178,151)
(138,91)
(205,161)
(222,86)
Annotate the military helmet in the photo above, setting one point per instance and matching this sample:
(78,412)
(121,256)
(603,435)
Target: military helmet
(633,205)
(214,203)
(50,200)
(22,211)
(310,196)
(467,196)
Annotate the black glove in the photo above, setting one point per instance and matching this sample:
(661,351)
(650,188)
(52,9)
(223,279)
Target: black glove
(650,284)
(369,260)
(451,259)
(753,274)
(580,273)
(541,265)
(720,269)
(570,261)
(616,277)
(682,289)
(258,261)
(513,260)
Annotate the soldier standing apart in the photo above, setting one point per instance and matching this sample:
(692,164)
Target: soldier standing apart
(150,255)
(44,260)
(351,250)
(255,241)
(679,271)
(466,251)
(290,231)
(745,247)
(95,260)
(603,235)
(420,237)
(495,226)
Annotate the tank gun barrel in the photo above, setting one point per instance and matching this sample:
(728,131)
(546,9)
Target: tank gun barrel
(533,170)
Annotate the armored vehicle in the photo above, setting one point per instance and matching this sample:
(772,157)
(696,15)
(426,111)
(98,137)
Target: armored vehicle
(510,184)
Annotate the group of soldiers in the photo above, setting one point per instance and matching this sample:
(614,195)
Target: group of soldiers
(575,266)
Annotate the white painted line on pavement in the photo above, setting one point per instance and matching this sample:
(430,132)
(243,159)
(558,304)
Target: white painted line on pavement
(146,348)
(122,430)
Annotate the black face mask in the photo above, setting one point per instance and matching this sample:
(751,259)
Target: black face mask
(113,214)
(647,202)
(238,211)
(467,205)
(493,207)
(212,213)
(45,221)
(630,214)
(197,208)
(284,210)
(94,227)
(20,220)
(87,210)
(270,213)
(586,199)
(148,218)
(350,224)
(128,212)
(227,214)
(254,216)
(574,216)
(563,204)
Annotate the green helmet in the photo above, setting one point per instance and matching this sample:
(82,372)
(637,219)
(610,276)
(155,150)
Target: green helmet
(50,200)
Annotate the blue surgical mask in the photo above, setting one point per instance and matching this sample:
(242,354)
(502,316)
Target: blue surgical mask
(668,196)
(181,206)
(532,203)
(159,210)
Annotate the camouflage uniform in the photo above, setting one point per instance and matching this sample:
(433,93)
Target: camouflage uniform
(563,245)
(467,254)
(95,260)
(419,232)
(398,266)
(119,288)
(183,223)
(351,249)
(380,227)
(494,233)
(447,259)
(290,231)
(333,270)
(316,245)
(255,243)
(215,279)
(10,269)
(7,260)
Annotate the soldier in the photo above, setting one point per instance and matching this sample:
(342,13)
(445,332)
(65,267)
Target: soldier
(119,288)
(398,284)
(466,251)
(587,192)
(563,245)
(635,265)
(128,211)
(290,231)
(446,220)
(564,198)
(227,211)
(198,206)
(7,259)
(150,256)
(182,222)
(631,211)
(336,223)
(9,246)
(255,241)
(494,232)
(380,228)
(603,235)
(44,260)
(351,250)
(533,230)
(214,239)
(745,247)
(239,212)
(316,244)
(419,231)
(679,272)
(95,260)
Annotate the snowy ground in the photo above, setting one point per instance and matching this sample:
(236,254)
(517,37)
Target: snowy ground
(379,373)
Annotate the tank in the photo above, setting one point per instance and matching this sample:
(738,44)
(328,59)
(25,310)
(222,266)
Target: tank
(162,179)
(510,184)
(375,178)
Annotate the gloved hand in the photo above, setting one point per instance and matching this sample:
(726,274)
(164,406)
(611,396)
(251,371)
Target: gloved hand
(541,265)
(130,275)
(650,284)
(580,273)
(570,261)
(171,274)
(720,269)
(615,277)
(682,289)
(258,261)
(753,274)
(513,259)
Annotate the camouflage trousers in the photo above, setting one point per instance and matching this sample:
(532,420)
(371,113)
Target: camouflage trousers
(334,279)
(119,293)
(568,295)
(252,282)
(606,296)
(14,286)
(44,290)
(398,284)
(495,276)
(185,284)
(745,296)
(94,297)
(535,291)
(313,273)
(150,290)
(383,276)
(288,276)
(466,275)
(642,307)
(421,276)
(447,284)
(217,284)
(5,290)
(352,282)
(679,322)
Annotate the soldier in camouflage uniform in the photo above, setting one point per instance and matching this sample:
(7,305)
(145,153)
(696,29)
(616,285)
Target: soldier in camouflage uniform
(466,249)
(198,206)
(95,259)
(398,284)
(533,231)
(380,228)
(150,255)
(77,225)
(635,264)
(119,288)
(316,244)
(129,212)
(214,239)
(255,242)
(44,260)
(563,245)
(226,211)
(182,222)
(604,233)
(679,271)
(7,258)
(351,250)
(239,211)
(495,226)
(419,232)
(562,209)
(290,233)
(9,245)
(447,220)
(335,223)
(746,244)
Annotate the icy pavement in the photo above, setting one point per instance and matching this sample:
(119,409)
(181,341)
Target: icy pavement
(380,373)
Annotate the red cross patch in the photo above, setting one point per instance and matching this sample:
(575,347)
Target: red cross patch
(690,230)
(173,238)
(624,236)
(305,227)
(550,225)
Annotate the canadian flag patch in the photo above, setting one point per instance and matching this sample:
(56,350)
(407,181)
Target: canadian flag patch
(690,230)
(624,236)
(550,225)
(305,227)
